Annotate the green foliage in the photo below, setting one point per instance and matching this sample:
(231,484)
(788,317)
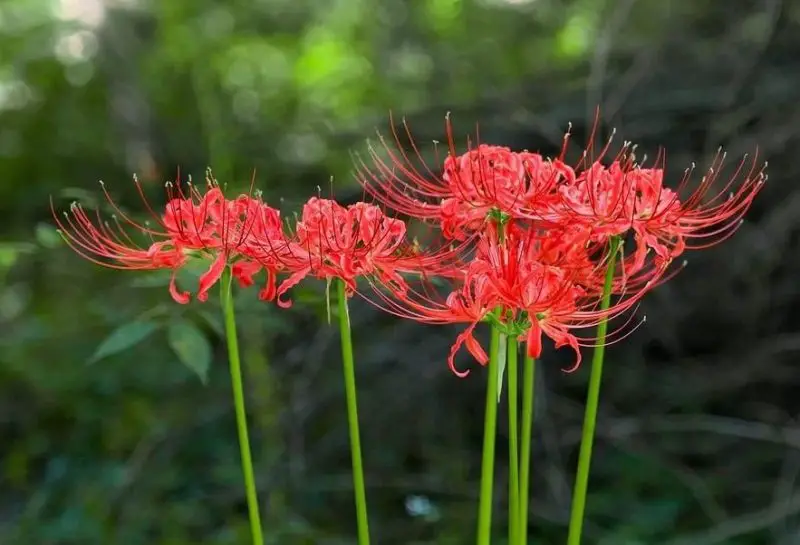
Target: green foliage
(123,338)
(191,346)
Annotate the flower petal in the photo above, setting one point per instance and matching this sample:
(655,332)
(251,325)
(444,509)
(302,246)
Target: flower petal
(244,270)
(211,276)
(534,339)
(180,297)
(288,284)
(267,293)
(569,339)
(472,345)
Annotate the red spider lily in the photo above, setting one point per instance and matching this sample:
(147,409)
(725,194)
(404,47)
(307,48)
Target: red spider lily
(627,197)
(484,180)
(197,224)
(546,274)
(535,288)
(547,289)
(513,258)
(622,198)
(599,198)
(264,246)
(466,303)
(705,218)
(525,252)
(360,240)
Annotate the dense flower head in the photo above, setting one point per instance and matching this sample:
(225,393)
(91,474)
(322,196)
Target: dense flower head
(486,179)
(196,223)
(628,198)
(331,241)
(493,179)
(520,280)
(543,233)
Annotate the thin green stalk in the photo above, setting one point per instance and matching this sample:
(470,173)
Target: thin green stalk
(590,417)
(528,381)
(226,297)
(352,415)
(513,446)
(489,435)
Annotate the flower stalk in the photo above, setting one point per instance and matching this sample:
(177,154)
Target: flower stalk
(528,385)
(489,436)
(592,402)
(352,414)
(226,297)
(513,446)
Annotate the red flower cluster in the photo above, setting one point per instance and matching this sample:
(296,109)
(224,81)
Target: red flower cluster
(331,241)
(545,234)
(328,241)
(193,225)
(528,241)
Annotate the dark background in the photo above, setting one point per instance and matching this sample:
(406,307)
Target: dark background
(698,443)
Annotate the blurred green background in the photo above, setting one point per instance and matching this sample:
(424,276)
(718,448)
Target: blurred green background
(699,441)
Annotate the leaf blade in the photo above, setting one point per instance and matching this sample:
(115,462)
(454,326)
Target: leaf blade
(501,368)
(124,337)
(191,347)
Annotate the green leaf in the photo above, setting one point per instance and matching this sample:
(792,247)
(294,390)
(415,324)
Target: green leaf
(213,320)
(501,369)
(191,347)
(124,337)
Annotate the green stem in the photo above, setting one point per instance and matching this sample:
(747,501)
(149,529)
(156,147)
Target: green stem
(352,414)
(226,297)
(513,446)
(590,417)
(489,435)
(528,381)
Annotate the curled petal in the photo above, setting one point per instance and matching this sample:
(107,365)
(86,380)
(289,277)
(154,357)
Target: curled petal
(288,284)
(570,340)
(466,338)
(211,276)
(180,297)
(476,350)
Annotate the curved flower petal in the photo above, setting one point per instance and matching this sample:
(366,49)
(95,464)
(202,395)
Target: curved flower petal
(466,339)
(288,284)
(211,276)
(563,338)
(267,293)
(181,297)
